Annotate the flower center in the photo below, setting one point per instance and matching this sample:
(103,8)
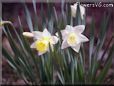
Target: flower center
(42,45)
(72,39)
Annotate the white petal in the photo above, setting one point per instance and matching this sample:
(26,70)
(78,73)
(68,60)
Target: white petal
(46,33)
(76,4)
(74,10)
(57,34)
(28,34)
(82,10)
(37,34)
(79,28)
(33,45)
(76,48)
(54,39)
(64,33)
(64,44)
(40,53)
(69,28)
(83,38)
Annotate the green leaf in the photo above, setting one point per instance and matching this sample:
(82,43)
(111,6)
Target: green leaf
(10,59)
(60,78)
(34,6)
(43,18)
(19,56)
(28,18)
(91,44)
(76,76)
(68,13)
(13,64)
(36,16)
(77,20)
(101,39)
(55,15)
(72,72)
(107,65)
(102,34)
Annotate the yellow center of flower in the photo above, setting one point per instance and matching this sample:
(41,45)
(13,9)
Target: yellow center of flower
(42,45)
(72,39)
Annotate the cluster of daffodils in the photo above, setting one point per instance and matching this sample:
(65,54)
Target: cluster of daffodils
(71,36)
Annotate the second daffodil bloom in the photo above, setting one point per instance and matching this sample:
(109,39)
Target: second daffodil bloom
(73,37)
(42,40)
(74,10)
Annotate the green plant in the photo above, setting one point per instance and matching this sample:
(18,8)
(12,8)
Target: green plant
(57,66)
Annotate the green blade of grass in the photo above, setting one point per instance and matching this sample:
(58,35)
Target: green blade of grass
(107,65)
(28,18)
(36,16)
(18,53)
(13,64)
(43,18)
(60,78)
(91,46)
(101,39)
(10,59)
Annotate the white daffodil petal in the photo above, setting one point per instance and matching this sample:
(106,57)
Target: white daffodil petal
(57,34)
(33,45)
(28,34)
(69,28)
(46,33)
(40,53)
(83,38)
(64,33)
(79,28)
(54,39)
(37,34)
(73,10)
(75,4)
(76,48)
(82,11)
(64,44)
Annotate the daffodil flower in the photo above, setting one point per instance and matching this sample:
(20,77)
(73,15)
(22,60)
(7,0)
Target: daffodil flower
(42,40)
(74,10)
(73,37)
